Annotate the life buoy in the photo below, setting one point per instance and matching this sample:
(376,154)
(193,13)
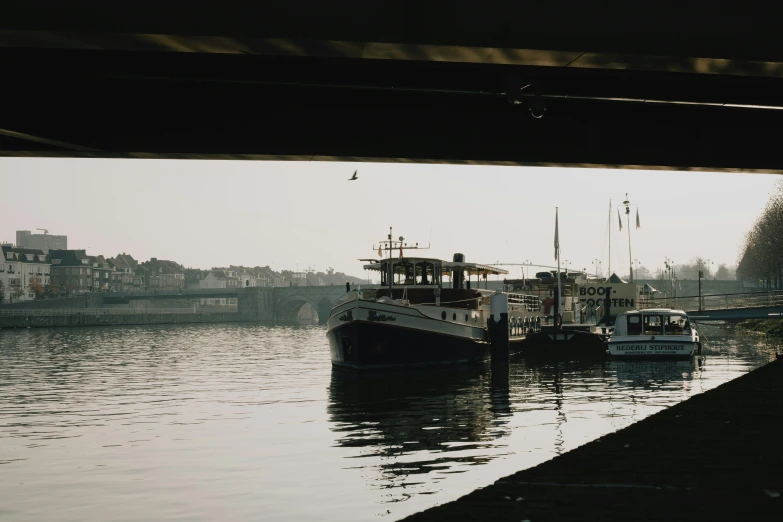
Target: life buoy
(558,320)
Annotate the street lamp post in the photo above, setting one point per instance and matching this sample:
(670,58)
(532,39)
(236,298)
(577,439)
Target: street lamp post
(700,273)
(628,226)
(669,263)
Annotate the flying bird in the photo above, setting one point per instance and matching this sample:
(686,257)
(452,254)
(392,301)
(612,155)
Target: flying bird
(354,176)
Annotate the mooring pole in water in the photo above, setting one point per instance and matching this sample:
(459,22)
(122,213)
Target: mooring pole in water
(497,326)
(499,391)
(607,306)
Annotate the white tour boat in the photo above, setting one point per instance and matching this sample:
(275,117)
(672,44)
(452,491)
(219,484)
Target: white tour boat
(656,332)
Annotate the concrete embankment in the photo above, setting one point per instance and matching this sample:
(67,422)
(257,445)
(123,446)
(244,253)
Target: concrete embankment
(716,456)
(100,319)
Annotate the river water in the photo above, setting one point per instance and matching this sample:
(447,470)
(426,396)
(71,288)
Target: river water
(233,422)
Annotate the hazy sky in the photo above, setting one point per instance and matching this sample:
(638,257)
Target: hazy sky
(214,213)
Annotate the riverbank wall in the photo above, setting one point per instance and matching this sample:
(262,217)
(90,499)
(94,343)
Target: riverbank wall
(773,327)
(94,300)
(716,456)
(22,320)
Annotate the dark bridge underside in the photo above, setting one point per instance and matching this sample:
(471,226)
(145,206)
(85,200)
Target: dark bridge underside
(695,88)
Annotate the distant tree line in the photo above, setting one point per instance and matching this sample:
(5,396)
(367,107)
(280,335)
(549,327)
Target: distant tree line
(762,254)
(689,270)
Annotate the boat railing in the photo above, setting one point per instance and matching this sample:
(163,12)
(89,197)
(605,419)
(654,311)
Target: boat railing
(367,294)
(715,302)
(530,302)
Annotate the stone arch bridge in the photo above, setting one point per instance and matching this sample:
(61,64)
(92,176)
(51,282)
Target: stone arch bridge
(272,304)
(282,304)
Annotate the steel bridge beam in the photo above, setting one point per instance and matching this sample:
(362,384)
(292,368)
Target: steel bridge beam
(692,88)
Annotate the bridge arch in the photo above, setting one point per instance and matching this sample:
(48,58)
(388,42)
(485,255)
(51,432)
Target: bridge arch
(324,308)
(289,307)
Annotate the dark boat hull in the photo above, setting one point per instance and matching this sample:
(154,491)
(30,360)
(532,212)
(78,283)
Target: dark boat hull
(565,344)
(364,345)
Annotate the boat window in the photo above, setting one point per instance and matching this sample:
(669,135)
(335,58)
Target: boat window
(677,325)
(426,273)
(403,273)
(653,325)
(634,325)
(673,324)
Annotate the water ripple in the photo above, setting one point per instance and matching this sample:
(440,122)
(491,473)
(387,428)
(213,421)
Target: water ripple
(210,422)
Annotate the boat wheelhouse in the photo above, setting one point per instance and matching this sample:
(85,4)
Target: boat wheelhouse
(427,311)
(655,332)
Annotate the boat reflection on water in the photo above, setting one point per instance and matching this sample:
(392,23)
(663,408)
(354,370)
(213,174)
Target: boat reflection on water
(557,386)
(654,385)
(646,373)
(408,432)
(430,421)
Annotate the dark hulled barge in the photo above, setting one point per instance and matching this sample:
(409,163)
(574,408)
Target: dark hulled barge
(418,319)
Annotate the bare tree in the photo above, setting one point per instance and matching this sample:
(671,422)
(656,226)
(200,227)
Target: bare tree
(762,256)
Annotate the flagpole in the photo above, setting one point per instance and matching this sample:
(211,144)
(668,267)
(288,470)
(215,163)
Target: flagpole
(628,224)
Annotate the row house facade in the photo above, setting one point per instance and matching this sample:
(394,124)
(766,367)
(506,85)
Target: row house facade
(160,274)
(24,273)
(247,276)
(193,277)
(73,272)
(103,274)
(258,276)
(220,278)
(271,277)
(124,277)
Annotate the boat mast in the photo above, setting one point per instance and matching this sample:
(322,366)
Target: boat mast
(390,270)
(628,224)
(610,237)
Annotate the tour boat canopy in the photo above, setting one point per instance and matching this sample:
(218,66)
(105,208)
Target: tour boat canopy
(472,268)
(447,267)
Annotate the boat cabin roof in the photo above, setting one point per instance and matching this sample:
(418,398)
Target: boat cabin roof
(472,268)
(668,311)
(446,266)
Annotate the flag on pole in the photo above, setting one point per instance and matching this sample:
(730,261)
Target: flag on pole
(557,238)
(637,218)
(619,219)
(400,250)
(379,252)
